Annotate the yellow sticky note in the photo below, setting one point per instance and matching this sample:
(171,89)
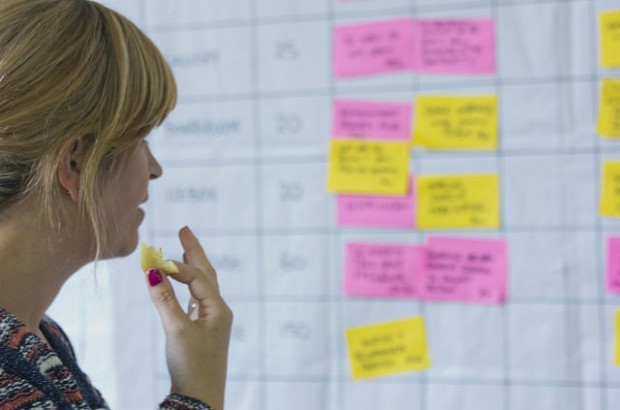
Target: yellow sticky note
(368,167)
(610,189)
(609,29)
(456,122)
(388,348)
(617,339)
(608,123)
(458,201)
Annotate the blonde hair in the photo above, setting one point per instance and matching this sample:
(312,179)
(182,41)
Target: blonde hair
(73,69)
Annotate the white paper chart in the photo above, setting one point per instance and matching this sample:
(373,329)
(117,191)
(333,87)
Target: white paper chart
(245,159)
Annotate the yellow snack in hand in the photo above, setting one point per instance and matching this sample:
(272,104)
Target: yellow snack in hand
(152,258)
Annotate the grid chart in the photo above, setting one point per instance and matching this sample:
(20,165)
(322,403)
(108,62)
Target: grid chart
(245,163)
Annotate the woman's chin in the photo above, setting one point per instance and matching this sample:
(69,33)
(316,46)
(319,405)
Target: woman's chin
(121,248)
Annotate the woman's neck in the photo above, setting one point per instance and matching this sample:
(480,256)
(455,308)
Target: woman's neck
(33,268)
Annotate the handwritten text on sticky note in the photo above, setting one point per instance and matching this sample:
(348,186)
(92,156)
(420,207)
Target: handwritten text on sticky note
(609,27)
(367,167)
(382,270)
(388,348)
(466,270)
(378,211)
(373,48)
(458,201)
(608,123)
(610,189)
(456,122)
(377,120)
(455,46)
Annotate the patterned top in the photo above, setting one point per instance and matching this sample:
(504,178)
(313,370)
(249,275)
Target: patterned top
(35,375)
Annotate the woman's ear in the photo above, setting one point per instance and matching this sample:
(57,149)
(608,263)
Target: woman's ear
(70,163)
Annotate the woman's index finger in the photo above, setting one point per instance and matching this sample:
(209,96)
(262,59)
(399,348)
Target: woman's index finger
(194,253)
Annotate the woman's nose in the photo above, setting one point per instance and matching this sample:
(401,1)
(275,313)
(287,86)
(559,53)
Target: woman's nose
(155,169)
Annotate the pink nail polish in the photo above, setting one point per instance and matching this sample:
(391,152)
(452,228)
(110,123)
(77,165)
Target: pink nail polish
(155,277)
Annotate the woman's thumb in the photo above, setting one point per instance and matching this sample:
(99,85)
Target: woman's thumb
(165,300)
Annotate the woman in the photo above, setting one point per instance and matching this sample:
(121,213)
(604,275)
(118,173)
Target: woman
(80,89)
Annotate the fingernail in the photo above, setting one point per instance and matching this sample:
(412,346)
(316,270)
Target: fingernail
(155,277)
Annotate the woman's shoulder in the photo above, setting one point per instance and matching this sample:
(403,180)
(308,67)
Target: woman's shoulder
(16,388)
(51,328)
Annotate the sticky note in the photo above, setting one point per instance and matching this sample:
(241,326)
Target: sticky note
(458,201)
(609,29)
(454,46)
(610,189)
(382,270)
(378,211)
(377,120)
(613,265)
(388,348)
(373,48)
(465,270)
(617,338)
(368,167)
(608,123)
(456,122)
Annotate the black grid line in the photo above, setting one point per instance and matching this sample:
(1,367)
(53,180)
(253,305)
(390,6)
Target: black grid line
(421,87)
(418,156)
(334,371)
(507,230)
(374,14)
(415,87)
(499,84)
(335,238)
(258,187)
(517,300)
(600,266)
(434,381)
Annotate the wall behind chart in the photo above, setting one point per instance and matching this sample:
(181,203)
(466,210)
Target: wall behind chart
(245,165)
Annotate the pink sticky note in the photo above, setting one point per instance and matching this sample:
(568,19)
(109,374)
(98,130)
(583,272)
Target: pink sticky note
(376,48)
(378,211)
(381,270)
(377,120)
(613,265)
(465,270)
(454,46)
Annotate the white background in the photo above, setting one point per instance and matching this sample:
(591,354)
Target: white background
(244,158)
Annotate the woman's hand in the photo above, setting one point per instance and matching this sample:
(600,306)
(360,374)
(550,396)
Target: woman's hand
(197,341)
